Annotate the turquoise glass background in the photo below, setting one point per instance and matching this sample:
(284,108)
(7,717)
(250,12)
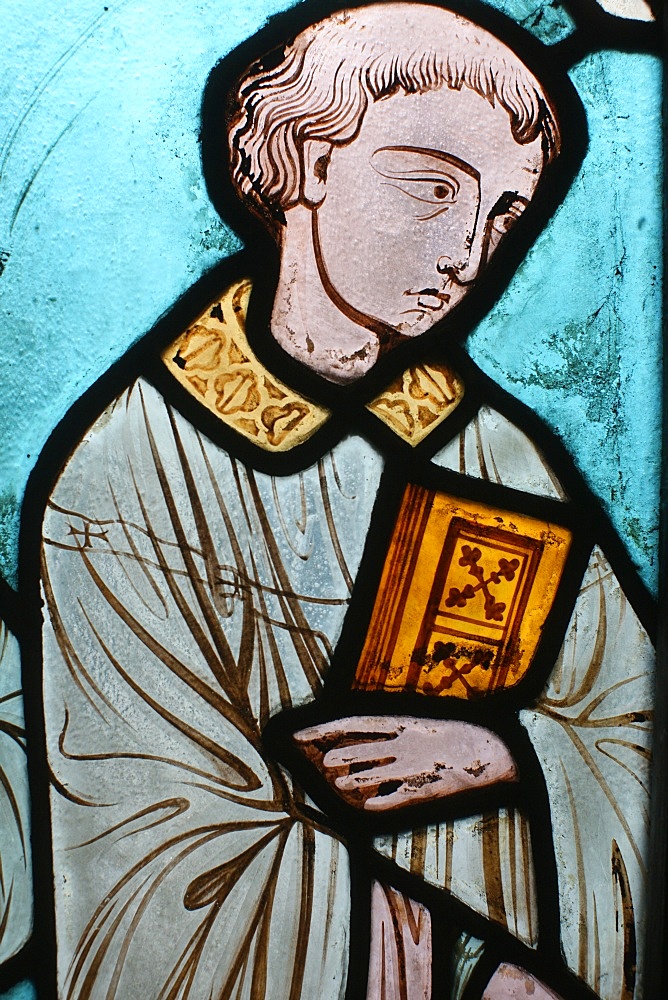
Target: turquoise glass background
(105,217)
(105,221)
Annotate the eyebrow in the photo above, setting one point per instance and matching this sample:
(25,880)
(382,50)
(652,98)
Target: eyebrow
(434,154)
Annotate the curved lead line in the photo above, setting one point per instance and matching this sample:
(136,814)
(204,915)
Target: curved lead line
(49,76)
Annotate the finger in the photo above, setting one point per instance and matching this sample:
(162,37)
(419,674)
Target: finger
(389,796)
(356,753)
(363,780)
(383,803)
(379,727)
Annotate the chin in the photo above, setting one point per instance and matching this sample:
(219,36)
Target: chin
(419,326)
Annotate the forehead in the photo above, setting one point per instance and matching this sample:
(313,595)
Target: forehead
(460,123)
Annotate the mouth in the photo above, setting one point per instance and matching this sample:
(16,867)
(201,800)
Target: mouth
(429,299)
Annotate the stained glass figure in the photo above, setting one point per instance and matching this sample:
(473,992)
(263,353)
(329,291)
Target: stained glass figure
(346,677)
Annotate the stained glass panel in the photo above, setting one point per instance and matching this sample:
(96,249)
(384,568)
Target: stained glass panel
(329,500)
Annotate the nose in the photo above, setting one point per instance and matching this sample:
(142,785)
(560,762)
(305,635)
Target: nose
(466,267)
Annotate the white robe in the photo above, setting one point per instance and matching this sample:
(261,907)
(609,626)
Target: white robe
(189,599)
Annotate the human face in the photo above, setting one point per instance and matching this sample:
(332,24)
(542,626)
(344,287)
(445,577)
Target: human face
(416,205)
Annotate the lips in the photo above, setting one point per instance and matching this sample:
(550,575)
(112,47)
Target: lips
(430,299)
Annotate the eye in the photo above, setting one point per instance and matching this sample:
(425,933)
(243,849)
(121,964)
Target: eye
(428,190)
(441,192)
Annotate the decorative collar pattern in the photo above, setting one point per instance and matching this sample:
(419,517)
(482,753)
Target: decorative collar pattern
(213,361)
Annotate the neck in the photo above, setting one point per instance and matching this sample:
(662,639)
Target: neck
(310,320)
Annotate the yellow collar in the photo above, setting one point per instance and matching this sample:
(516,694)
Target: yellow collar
(214,362)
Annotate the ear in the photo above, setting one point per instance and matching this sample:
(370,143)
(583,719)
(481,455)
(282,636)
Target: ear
(316,154)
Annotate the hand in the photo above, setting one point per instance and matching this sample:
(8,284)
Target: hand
(382,763)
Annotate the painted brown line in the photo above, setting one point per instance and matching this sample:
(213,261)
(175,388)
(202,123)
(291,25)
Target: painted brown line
(305,911)
(386,336)
(139,560)
(462,452)
(278,568)
(514,868)
(399,949)
(449,851)
(528,881)
(278,805)
(598,774)
(92,928)
(108,522)
(241,957)
(250,781)
(470,621)
(497,475)
(335,847)
(265,711)
(298,635)
(337,478)
(418,851)
(635,747)
(583,923)
(171,808)
(479,449)
(179,982)
(66,647)
(281,517)
(491,866)
(376,647)
(279,673)
(291,627)
(331,527)
(15,733)
(144,903)
(223,670)
(299,523)
(5,916)
(112,991)
(218,669)
(245,663)
(366,674)
(621,877)
(519,606)
(303,521)
(305,639)
(260,805)
(13,805)
(215,885)
(413,924)
(555,482)
(249,584)
(628,719)
(66,793)
(89,976)
(409,536)
(202,642)
(597,948)
(383,959)
(593,670)
(226,708)
(421,500)
(258,990)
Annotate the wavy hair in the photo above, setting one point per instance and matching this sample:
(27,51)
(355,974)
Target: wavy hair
(322,87)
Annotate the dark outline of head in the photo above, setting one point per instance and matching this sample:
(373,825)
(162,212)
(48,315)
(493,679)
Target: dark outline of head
(329,74)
